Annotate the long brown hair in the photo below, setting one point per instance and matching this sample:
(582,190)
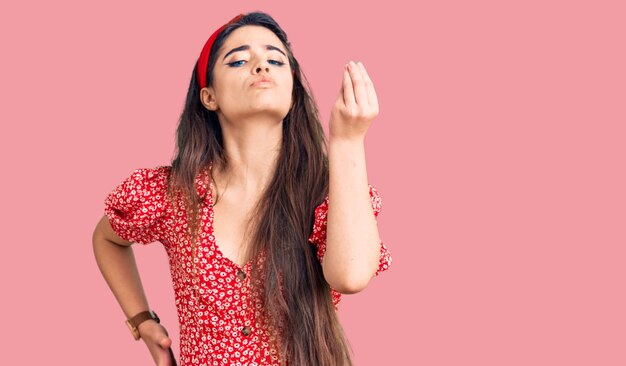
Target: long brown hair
(303,315)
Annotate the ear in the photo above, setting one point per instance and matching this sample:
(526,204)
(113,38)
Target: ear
(207,97)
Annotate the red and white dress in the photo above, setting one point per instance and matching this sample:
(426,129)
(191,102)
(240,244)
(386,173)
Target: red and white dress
(223,327)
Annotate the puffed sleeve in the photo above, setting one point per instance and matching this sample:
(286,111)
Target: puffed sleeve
(137,207)
(318,235)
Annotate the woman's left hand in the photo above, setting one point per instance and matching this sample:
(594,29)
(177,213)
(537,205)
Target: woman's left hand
(355,107)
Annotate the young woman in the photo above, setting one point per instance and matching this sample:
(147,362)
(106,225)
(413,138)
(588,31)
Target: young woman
(258,257)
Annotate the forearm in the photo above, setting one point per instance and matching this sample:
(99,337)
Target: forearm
(352,241)
(117,265)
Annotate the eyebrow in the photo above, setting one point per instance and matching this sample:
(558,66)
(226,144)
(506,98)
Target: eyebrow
(268,47)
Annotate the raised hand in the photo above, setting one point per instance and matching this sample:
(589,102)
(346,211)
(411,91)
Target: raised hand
(356,106)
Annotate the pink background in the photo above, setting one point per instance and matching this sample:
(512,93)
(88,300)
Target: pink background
(499,154)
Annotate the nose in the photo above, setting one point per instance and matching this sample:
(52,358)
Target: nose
(262,64)
(261,67)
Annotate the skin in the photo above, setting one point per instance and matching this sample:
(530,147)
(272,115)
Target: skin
(251,121)
(116,262)
(250,117)
(352,240)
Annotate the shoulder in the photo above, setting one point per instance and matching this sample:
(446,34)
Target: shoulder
(150,174)
(146,180)
(138,206)
(142,188)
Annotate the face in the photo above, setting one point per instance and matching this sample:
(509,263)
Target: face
(247,55)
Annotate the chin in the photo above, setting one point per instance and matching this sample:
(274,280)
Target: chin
(275,113)
(270,105)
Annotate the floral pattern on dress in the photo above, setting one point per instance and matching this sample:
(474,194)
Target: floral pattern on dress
(137,207)
(220,322)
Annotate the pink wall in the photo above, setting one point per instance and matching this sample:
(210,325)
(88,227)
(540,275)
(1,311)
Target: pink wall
(499,154)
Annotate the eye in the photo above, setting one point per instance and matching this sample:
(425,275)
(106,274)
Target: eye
(236,63)
(231,64)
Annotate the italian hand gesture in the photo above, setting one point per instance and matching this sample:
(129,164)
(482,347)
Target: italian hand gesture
(356,106)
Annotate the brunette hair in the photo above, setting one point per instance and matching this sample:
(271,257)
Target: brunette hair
(302,313)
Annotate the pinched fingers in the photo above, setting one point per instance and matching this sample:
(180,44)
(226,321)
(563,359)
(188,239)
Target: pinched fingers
(347,89)
(359,94)
(369,87)
(358,83)
(356,106)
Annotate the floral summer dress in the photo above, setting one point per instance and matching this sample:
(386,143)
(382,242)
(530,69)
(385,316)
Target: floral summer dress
(223,327)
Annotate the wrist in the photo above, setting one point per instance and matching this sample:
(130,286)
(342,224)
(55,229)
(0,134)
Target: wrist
(354,140)
(138,319)
(144,327)
(345,152)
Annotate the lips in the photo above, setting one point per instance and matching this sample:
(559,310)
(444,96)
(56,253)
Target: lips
(264,81)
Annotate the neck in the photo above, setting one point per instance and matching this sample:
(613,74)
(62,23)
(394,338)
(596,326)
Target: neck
(252,149)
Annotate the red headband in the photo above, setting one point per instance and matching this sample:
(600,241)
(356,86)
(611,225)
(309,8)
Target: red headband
(203,61)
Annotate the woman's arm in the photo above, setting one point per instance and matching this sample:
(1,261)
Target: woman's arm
(353,243)
(116,261)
